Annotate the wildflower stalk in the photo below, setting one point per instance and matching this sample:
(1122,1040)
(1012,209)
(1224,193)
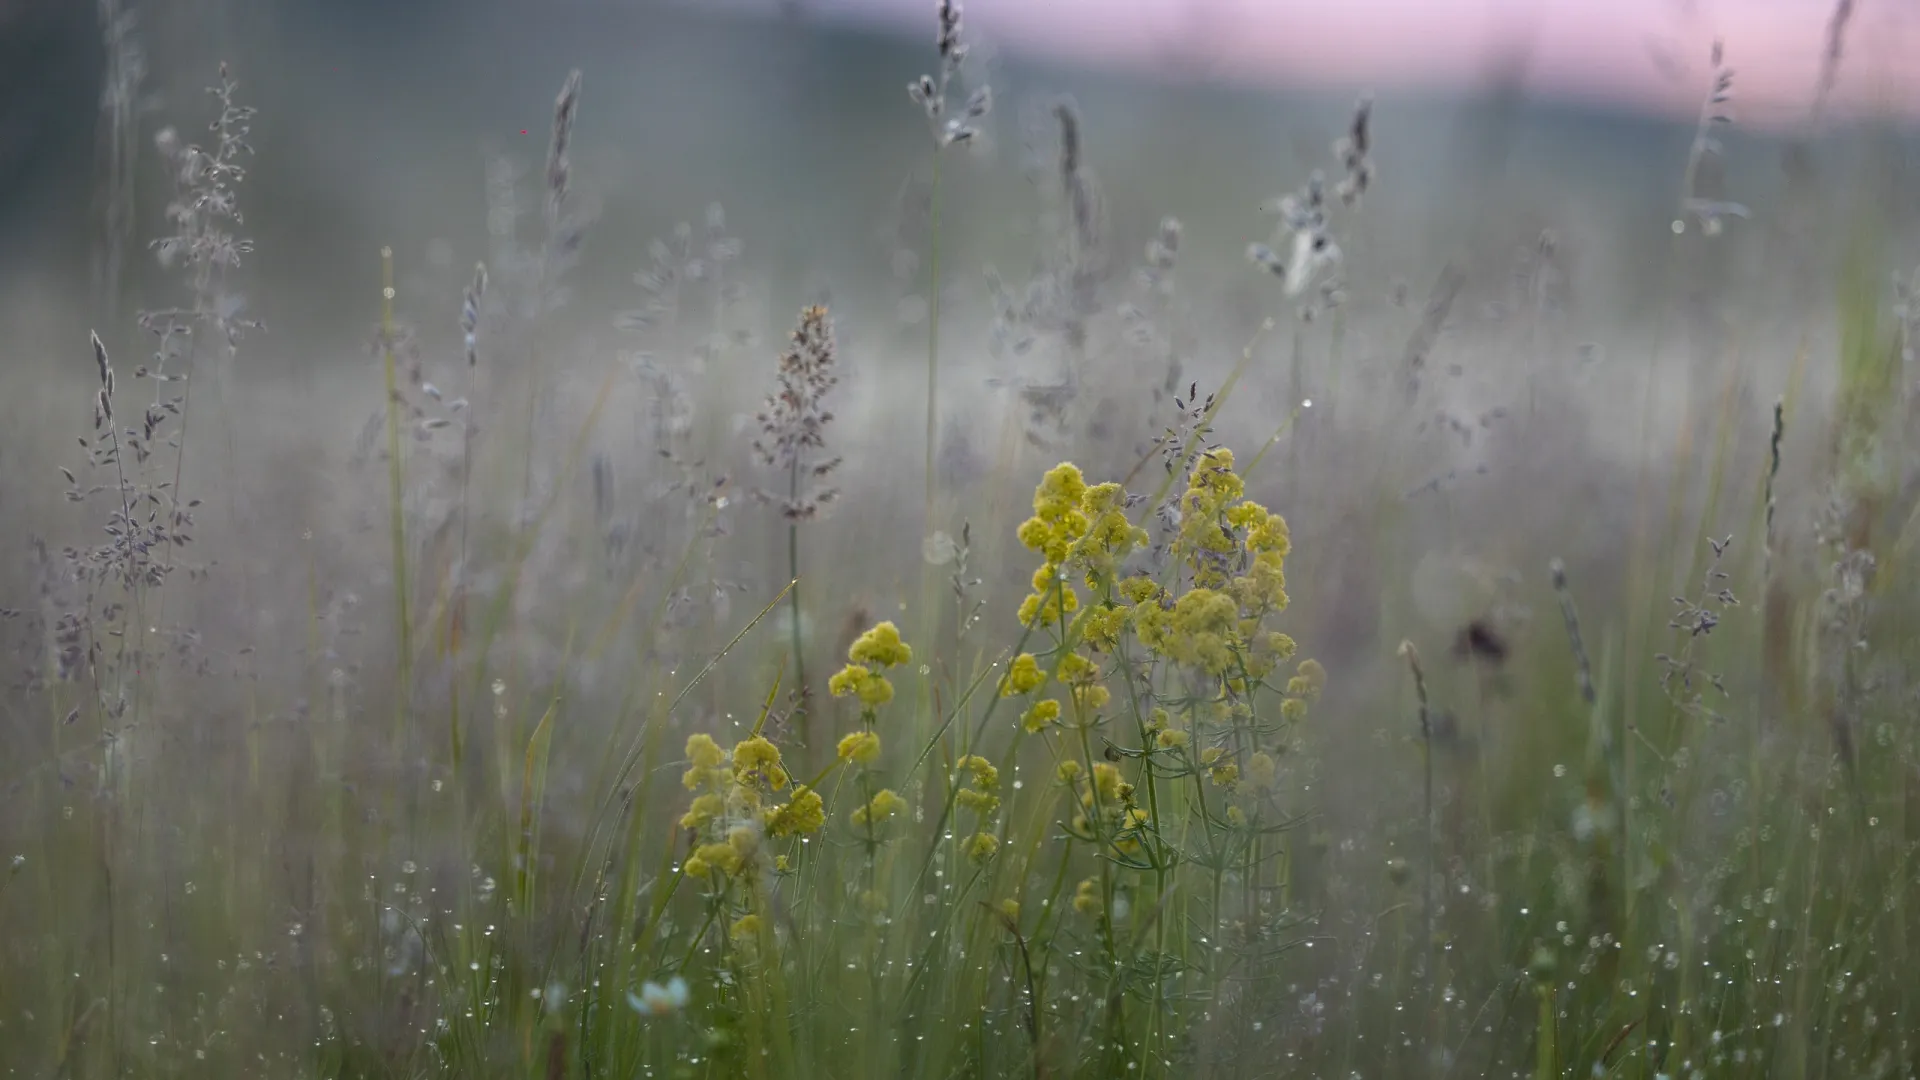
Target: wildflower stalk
(562,239)
(793,575)
(204,202)
(793,434)
(395,499)
(930,93)
(456,613)
(1412,658)
(933,348)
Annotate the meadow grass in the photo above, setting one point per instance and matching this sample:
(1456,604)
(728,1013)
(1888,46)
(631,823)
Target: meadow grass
(1062,786)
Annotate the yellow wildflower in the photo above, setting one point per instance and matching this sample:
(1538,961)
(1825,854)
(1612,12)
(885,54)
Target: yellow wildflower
(746,928)
(1139,589)
(805,814)
(704,809)
(1060,490)
(703,752)
(980,802)
(880,647)
(1075,668)
(1132,824)
(1034,534)
(872,688)
(982,846)
(1091,698)
(1107,781)
(757,757)
(985,776)
(1099,627)
(711,857)
(861,746)
(1044,608)
(882,806)
(704,758)
(1023,676)
(980,798)
(1087,899)
(1041,714)
(1262,771)
(1309,680)
(1278,644)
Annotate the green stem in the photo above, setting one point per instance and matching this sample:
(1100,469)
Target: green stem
(933,338)
(395,483)
(793,575)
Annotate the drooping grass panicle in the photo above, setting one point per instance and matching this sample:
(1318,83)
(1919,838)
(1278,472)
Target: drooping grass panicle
(1695,617)
(1570,616)
(1411,657)
(931,92)
(1303,230)
(1832,55)
(203,213)
(1083,265)
(1699,197)
(1774,440)
(470,302)
(1355,151)
(565,223)
(559,166)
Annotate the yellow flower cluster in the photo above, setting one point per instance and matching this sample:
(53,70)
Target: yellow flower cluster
(982,798)
(872,653)
(1107,797)
(875,651)
(1023,676)
(1205,617)
(861,747)
(1303,689)
(736,789)
(882,806)
(804,814)
(1235,550)
(1081,533)
(1040,714)
(982,846)
(1076,529)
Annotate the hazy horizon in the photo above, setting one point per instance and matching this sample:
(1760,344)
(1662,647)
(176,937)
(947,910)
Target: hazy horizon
(1648,54)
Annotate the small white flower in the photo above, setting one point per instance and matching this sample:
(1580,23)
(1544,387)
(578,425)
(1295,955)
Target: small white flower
(656,1000)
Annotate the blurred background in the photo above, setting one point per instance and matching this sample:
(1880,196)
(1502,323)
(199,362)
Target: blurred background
(1536,342)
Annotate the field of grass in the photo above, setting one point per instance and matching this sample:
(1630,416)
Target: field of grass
(1456,622)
